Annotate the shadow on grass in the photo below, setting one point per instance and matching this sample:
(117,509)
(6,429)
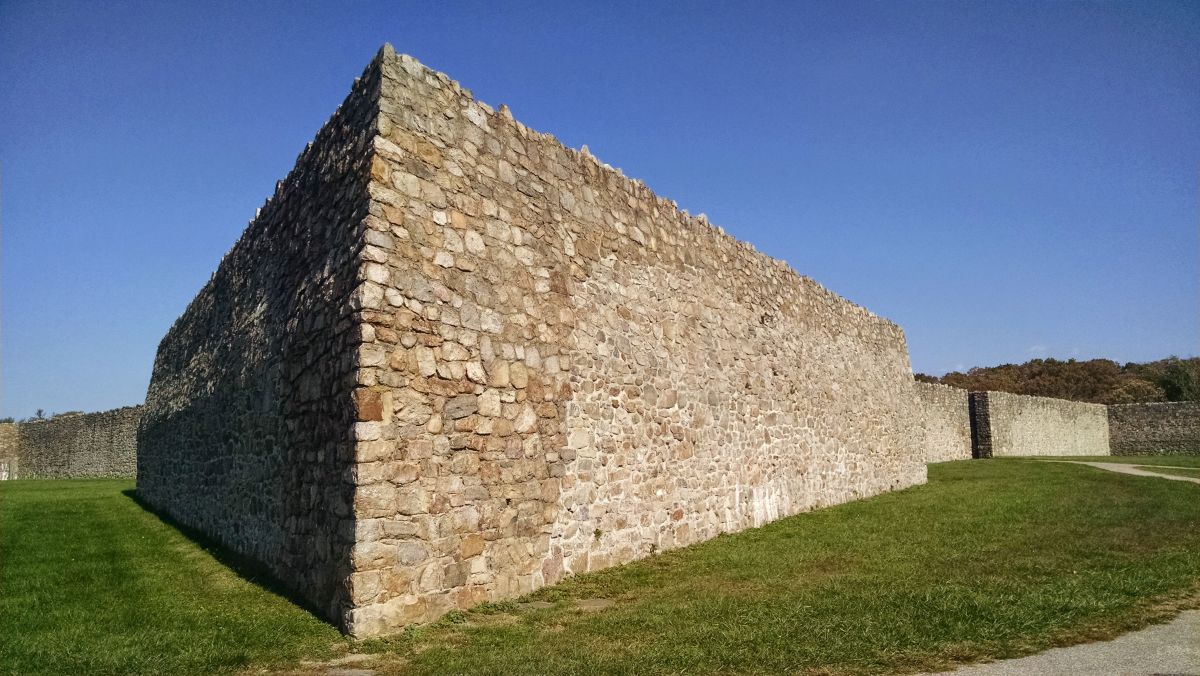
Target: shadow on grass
(245,567)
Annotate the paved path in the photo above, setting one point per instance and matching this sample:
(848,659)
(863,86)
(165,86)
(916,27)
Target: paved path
(1172,648)
(1131,469)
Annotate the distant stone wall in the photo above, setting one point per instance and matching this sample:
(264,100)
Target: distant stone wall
(247,434)
(944,419)
(1004,424)
(8,451)
(72,446)
(1168,428)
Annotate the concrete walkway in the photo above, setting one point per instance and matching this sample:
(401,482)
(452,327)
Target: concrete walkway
(1172,648)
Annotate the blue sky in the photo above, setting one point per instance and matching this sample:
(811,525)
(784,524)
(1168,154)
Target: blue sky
(1004,180)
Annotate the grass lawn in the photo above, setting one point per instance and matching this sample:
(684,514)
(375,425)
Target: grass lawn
(1180,460)
(90,583)
(1179,471)
(991,559)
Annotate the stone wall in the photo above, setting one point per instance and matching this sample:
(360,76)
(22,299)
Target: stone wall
(9,441)
(247,429)
(562,371)
(1169,428)
(71,446)
(943,414)
(1004,424)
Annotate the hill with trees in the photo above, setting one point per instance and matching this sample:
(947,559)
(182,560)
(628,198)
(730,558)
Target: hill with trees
(1100,381)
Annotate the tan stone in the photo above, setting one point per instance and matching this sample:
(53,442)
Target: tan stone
(499,374)
(518,375)
(368,404)
(472,545)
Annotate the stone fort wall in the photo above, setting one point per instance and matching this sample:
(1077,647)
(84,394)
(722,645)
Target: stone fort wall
(562,371)
(247,429)
(9,441)
(943,415)
(452,360)
(1170,428)
(1004,424)
(72,446)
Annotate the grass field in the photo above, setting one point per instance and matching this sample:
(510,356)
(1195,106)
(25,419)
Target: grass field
(1193,472)
(1148,460)
(90,583)
(990,559)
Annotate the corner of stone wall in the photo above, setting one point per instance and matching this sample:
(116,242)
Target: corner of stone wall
(278,331)
(469,444)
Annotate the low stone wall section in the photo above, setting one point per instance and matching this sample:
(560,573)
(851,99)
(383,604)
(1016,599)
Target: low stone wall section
(73,446)
(943,412)
(1163,428)
(1006,424)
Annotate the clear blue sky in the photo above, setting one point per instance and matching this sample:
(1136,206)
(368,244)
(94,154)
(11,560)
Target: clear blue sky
(1004,180)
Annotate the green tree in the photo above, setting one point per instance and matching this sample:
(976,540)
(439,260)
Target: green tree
(1181,379)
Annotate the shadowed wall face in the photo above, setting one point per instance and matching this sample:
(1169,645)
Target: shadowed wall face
(561,371)
(1168,428)
(247,428)
(73,446)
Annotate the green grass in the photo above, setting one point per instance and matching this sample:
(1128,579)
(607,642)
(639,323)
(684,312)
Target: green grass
(991,559)
(1178,471)
(90,583)
(1180,460)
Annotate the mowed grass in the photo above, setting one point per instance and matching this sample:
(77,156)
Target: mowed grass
(991,559)
(1193,472)
(90,583)
(1178,460)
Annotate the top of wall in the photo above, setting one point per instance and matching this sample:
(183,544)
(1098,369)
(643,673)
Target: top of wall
(67,416)
(692,227)
(262,218)
(1047,401)
(941,388)
(1154,404)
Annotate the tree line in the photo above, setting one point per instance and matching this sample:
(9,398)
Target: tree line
(1100,381)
